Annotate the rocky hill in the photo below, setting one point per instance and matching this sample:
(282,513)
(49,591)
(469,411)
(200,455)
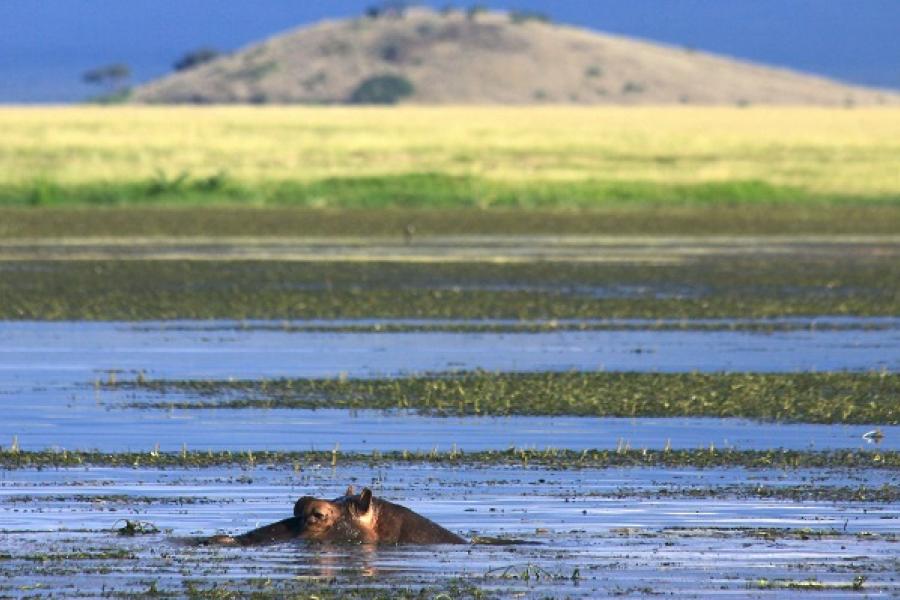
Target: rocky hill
(426,57)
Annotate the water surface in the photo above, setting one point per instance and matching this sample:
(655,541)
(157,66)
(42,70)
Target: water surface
(52,353)
(592,521)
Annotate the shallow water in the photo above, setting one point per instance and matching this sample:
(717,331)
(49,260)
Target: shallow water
(84,424)
(48,373)
(52,353)
(594,521)
(625,531)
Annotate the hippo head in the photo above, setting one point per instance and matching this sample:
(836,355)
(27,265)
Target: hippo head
(348,519)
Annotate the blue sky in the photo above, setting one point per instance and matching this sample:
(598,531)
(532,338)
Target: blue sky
(45,45)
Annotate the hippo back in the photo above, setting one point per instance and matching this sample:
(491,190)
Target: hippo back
(397,524)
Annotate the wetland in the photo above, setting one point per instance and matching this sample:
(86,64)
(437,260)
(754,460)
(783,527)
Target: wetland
(693,417)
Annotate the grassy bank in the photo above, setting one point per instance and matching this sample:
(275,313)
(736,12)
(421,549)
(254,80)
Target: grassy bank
(863,283)
(422,190)
(800,397)
(446,157)
(548,458)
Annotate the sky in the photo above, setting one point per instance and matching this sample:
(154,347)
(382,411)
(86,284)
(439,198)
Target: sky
(45,45)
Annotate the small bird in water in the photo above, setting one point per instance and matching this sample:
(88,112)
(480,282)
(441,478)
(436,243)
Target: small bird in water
(874,436)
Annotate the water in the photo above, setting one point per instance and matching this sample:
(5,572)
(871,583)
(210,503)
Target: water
(600,532)
(84,425)
(48,371)
(62,352)
(594,521)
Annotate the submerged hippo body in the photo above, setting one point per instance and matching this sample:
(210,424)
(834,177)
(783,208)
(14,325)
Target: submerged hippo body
(350,519)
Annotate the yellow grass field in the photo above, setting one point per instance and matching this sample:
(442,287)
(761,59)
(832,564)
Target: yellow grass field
(839,152)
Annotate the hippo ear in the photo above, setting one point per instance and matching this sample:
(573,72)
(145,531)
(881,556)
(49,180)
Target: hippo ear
(349,491)
(365,501)
(301,504)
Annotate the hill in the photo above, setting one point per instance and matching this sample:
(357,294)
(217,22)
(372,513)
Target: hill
(491,58)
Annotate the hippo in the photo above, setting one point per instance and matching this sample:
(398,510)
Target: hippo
(350,519)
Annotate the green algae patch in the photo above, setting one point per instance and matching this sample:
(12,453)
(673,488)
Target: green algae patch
(551,458)
(839,397)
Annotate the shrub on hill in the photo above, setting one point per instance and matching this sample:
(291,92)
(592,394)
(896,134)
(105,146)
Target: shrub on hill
(196,58)
(382,89)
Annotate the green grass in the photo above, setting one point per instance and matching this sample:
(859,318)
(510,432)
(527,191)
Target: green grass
(748,286)
(551,458)
(339,156)
(416,190)
(795,397)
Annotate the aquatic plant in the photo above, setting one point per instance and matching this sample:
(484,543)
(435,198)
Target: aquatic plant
(838,397)
(551,458)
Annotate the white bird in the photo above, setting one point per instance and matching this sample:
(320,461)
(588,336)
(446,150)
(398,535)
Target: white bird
(873,436)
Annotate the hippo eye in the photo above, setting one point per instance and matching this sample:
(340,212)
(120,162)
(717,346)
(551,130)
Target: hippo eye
(317,515)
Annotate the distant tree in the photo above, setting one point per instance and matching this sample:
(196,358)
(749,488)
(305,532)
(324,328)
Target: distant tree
(448,9)
(388,8)
(523,16)
(195,58)
(113,76)
(382,89)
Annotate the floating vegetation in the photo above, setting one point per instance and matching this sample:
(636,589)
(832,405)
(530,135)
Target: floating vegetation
(114,500)
(551,458)
(527,572)
(546,325)
(856,281)
(764,533)
(100,555)
(798,493)
(794,397)
(855,585)
(487,540)
(133,528)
